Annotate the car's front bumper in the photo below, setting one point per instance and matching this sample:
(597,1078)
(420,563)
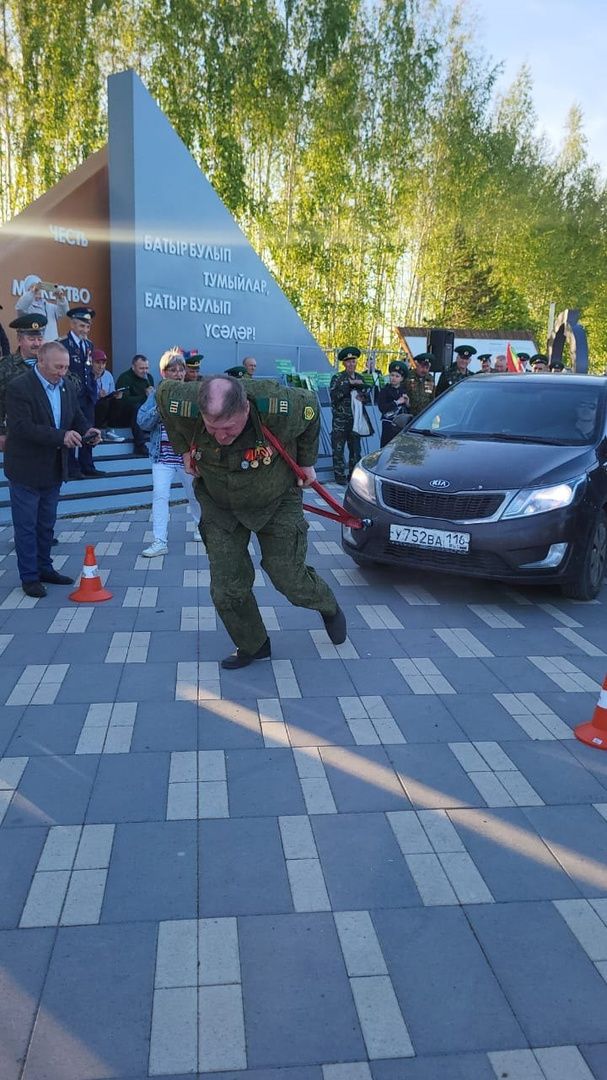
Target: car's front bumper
(539,548)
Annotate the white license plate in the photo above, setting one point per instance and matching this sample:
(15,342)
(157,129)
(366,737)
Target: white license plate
(430,538)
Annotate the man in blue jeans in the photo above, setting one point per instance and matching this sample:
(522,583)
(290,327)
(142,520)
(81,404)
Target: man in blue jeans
(44,422)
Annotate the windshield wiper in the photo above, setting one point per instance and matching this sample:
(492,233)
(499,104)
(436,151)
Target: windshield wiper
(428,431)
(501,436)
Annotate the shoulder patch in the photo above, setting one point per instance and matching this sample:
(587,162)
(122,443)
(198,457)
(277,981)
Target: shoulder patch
(278,406)
(309,412)
(186,409)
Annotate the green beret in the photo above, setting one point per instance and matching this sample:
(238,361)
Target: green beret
(350,352)
(29,322)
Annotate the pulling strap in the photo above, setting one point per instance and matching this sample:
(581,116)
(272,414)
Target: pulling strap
(340,514)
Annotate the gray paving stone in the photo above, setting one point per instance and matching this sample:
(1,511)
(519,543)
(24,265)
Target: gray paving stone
(130,787)
(90,682)
(513,860)
(9,721)
(346,844)
(429,950)
(242,868)
(96,1005)
(41,649)
(449,1067)
(52,791)
(329,678)
(311,1072)
(87,648)
(375,676)
(290,643)
(596,1056)
(577,837)
(24,958)
(518,676)
(228,724)
(481,716)
(46,729)
(255,681)
(169,726)
(20,850)
(432,777)
(374,643)
(298,1006)
(152,873)
(316,722)
(424,718)
(470,675)
(263,782)
(167,645)
(554,989)
(363,779)
(558,776)
(146,682)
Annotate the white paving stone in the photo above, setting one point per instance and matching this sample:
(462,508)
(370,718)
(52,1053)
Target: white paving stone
(213,800)
(60,848)
(383,1027)
(563,1063)
(221,1029)
(352,1070)
(410,836)
(495,617)
(45,899)
(440,831)
(286,682)
(430,879)
(140,597)
(211,765)
(174,1036)
(219,958)
(579,641)
(95,847)
(307,883)
(198,619)
(11,771)
(297,837)
(84,898)
(462,642)
(465,878)
(584,922)
(359,943)
(317,796)
(70,621)
(416,596)
(516,1065)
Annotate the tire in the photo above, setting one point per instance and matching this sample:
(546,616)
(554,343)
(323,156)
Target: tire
(587,585)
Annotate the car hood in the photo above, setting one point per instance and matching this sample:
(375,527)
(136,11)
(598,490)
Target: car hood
(477,464)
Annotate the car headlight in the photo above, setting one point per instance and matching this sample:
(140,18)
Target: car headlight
(539,500)
(362,483)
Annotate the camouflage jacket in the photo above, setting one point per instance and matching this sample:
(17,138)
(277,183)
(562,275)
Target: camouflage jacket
(340,391)
(450,378)
(234,485)
(420,391)
(10,367)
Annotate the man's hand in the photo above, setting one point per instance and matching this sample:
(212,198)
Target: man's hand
(150,390)
(118,394)
(71,439)
(310,476)
(102,393)
(187,464)
(92,431)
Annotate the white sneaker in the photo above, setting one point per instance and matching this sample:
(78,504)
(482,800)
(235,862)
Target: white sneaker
(111,436)
(158,547)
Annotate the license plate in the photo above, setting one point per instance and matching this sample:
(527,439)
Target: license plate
(431,538)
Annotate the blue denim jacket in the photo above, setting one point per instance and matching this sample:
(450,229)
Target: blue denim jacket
(148,419)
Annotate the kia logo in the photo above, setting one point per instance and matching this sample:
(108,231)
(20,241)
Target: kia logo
(440,484)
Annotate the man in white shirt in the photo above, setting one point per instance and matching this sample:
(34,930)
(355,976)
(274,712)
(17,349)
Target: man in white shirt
(36,301)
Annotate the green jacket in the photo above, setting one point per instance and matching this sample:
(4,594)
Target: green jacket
(420,391)
(450,378)
(229,487)
(134,387)
(10,367)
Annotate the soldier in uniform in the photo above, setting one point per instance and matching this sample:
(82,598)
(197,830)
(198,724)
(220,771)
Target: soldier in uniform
(192,359)
(540,364)
(485,362)
(30,335)
(80,349)
(342,432)
(244,486)
(238,372)
(420,384)
(458,370)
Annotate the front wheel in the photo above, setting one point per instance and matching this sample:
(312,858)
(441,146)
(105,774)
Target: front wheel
(587,585)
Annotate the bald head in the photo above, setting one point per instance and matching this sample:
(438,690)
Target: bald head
(224,406)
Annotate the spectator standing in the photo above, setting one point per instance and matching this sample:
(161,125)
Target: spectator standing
(500,366)
(392,400)
(539,364)
(484,360)
(459,370)
(44,421)
(106,396)
(52,304)
(137,384)
(341,389)
(167,465)
(250,363)
(80,349)
(420,384)
(30,329)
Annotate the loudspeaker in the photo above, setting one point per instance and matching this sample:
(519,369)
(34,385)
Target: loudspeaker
(440,343)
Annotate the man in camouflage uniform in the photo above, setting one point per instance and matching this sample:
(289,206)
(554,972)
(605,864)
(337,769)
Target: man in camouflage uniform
(30,335)
(342,431)
(459,370)
(244,486)
(419,387)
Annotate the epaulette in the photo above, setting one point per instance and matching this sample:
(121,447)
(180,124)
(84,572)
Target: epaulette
(274,406)
(186,409)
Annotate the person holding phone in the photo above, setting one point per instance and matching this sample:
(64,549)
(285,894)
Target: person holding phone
(43,298)
(107,394)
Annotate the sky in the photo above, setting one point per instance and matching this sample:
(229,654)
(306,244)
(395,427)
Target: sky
(564,42)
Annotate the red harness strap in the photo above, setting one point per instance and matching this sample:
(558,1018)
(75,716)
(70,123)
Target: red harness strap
(340,514)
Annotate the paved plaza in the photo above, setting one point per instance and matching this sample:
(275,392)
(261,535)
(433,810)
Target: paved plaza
(381,861)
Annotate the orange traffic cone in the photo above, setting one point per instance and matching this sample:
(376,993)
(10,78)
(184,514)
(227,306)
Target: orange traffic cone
(595,733)
(90,589)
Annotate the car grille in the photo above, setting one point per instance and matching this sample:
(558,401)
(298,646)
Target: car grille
(468,506)
(483,562)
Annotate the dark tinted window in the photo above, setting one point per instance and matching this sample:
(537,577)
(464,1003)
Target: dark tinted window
(543,408)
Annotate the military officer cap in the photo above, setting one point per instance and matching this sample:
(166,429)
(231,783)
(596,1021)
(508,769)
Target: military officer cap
(237,372)
(466,351)
(85,313)
(28,323)
(557,365)
(350,352)
(539,358)
(523,356)
(486,356)
(424,358)
(192,358)
(398,366)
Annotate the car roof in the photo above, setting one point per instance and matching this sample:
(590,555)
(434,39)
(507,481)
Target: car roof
(598,381)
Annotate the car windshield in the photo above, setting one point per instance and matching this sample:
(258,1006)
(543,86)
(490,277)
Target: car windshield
(498,408)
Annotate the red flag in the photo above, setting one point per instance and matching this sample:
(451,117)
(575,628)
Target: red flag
(512,361)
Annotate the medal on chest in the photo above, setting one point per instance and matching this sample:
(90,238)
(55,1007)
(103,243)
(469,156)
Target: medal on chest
(258,455)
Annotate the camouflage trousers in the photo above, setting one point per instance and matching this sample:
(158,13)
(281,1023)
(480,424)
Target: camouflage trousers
(342,435)
(283,542)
